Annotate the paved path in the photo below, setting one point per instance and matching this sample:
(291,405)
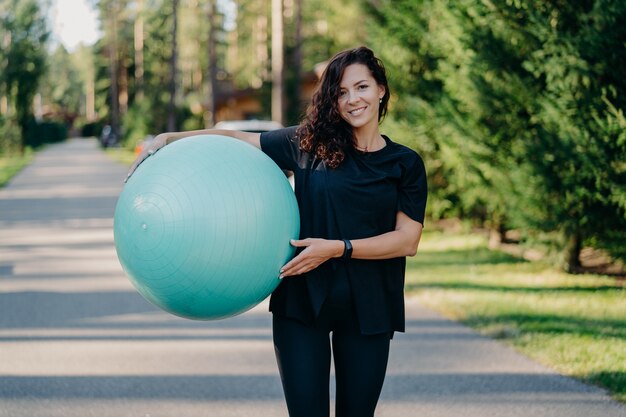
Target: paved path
(77,340)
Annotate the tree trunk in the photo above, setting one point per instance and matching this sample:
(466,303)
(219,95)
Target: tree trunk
(123,86)
(211,78)
(113,68)
(277,60)
(571,254)
(297,59)
(90,99)
(171,113)
(139,52)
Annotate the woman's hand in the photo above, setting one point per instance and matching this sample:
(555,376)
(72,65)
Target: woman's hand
(158,142)
(401,242)
(316,252)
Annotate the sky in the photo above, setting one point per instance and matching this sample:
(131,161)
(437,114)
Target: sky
(73,22)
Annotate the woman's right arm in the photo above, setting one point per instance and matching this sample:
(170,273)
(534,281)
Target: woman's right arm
(250,137)
(164,139)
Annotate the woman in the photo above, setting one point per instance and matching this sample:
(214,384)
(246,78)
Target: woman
(362,199)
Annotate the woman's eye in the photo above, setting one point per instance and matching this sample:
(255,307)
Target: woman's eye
(363,86)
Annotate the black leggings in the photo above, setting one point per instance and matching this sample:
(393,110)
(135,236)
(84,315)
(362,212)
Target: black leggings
(303,354)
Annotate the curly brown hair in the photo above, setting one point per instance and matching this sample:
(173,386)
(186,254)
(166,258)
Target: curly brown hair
(323,131)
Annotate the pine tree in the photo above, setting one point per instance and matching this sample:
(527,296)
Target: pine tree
(519,111)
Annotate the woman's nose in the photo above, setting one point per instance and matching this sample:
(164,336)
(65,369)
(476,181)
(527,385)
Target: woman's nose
(353,97)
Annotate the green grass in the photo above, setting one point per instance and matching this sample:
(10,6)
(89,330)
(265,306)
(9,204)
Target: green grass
(11,165)
(121,155)
(575,324)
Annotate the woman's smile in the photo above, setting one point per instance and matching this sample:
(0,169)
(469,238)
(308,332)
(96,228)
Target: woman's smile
(358,111)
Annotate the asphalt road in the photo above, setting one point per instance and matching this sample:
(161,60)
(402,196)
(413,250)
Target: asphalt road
(76,339)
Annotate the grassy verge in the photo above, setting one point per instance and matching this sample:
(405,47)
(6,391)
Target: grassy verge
(575,324)
(11,165)
(121,155)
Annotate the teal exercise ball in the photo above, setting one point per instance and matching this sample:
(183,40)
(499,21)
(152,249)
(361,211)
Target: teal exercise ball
(202,227)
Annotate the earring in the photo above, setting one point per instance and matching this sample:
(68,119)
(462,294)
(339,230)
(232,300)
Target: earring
(380,101)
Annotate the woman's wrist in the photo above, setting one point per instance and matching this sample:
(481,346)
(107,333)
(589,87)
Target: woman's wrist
(339,247)
(343,249)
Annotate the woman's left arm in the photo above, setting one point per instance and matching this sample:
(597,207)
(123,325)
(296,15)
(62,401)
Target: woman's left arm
(402,241)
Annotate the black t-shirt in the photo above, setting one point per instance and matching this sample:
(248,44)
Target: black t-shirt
(358,199)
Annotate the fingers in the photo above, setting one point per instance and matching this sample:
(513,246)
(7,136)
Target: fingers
(142,157)
(300,243)
(159,142)
(130,172)
(134,166)
(306,261)
(298,265)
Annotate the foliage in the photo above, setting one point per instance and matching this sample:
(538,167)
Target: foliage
(39,133)
(249,58)
(330,27)
(517,107)
(112,55)
(520,115)
(10,137)
(136,124)
(91,129)
(325,29)
(61,87)
(23,33)
(574,324)
(144,106)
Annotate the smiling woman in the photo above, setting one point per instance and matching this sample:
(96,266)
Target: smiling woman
(361,199)
(74,22)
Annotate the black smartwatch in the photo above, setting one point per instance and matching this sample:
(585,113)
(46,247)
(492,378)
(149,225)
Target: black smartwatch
(347,249)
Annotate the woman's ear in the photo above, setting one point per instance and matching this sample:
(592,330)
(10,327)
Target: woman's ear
(381,91)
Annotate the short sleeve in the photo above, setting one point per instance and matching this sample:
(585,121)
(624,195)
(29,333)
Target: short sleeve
(282,147)
(413,190)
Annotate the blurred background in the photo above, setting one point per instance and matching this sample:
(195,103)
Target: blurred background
(517,107)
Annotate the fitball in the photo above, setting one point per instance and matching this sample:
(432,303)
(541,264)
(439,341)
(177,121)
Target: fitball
(202,227)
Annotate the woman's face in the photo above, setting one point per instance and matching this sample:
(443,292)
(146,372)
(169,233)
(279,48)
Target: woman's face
(359,96)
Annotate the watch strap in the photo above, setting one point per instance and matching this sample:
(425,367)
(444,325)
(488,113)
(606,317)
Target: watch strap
(347,249)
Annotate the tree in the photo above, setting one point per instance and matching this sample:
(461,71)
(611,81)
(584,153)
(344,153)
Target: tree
(314,31)
(23,35)
(83,62)
(249,61)
(293,89)
(579,67)
(138,44)
(171,108)
(519,111)
(211,68)
(61,87)
(114,50)
(278,55)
